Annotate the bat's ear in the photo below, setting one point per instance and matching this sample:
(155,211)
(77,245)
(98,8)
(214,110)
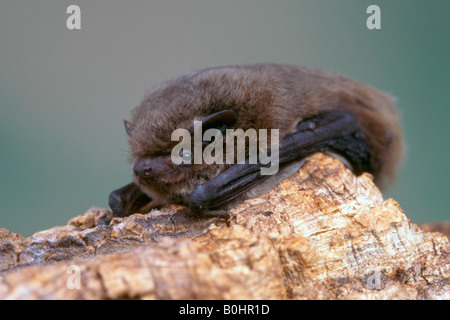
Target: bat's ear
(128,128)
(219,120)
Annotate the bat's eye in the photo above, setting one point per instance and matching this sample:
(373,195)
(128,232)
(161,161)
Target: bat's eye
(186,156)
(311,126)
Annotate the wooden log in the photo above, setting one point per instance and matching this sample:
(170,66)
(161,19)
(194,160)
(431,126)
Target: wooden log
(321,234)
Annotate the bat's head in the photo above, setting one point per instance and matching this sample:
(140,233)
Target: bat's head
(171,172)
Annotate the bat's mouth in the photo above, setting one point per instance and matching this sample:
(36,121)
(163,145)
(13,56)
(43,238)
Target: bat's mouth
(164,180)
(170,177)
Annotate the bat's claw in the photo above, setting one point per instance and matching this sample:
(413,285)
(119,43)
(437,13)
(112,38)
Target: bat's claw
(127,200)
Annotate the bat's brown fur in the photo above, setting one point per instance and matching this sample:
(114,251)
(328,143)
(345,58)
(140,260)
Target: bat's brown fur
(264,96)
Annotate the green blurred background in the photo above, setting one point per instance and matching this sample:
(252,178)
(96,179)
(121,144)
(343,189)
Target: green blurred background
(63,93)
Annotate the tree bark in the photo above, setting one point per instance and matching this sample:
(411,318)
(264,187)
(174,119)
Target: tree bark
(321,234)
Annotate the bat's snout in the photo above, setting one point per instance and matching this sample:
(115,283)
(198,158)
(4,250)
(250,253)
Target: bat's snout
(150,168)
(142,171)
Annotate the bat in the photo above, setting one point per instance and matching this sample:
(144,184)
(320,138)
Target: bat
(312,110)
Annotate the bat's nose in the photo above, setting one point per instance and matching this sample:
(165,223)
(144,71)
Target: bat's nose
(149,168)
(142,171)
(143,168)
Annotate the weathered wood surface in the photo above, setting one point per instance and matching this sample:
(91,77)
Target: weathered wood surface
(321,234)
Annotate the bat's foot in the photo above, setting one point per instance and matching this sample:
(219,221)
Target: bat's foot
(127,200)
(335,133)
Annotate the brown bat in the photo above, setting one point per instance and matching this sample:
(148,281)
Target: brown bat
(314,111)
